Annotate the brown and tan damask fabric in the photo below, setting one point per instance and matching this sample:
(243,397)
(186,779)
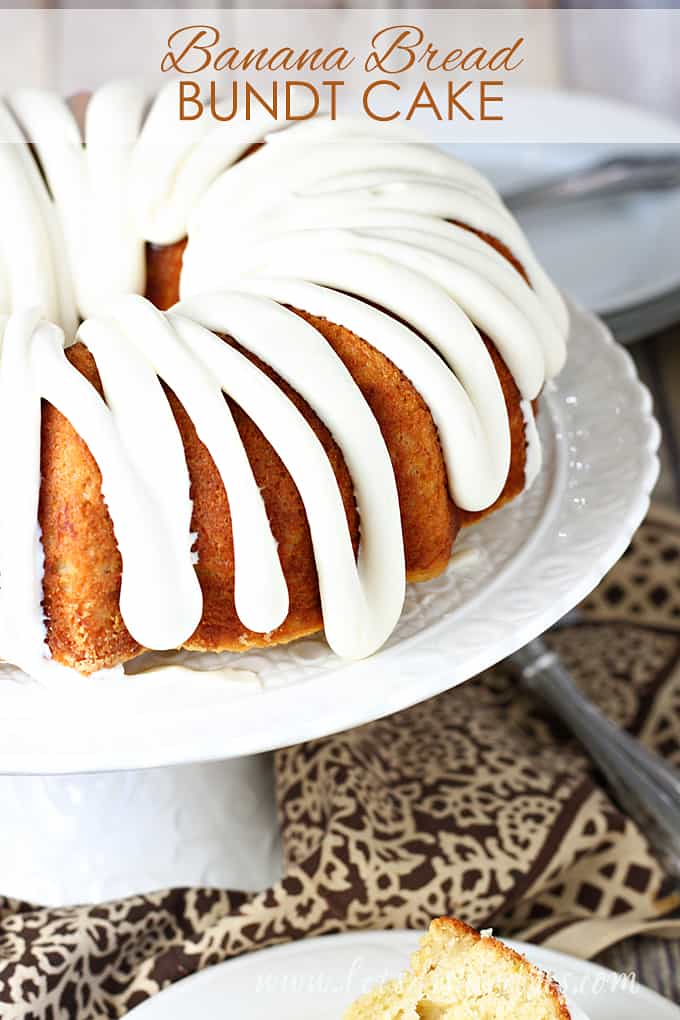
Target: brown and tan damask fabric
(476,803)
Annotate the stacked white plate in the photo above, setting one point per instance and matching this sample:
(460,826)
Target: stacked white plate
(618,257)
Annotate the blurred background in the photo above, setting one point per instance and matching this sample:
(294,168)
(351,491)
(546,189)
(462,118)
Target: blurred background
(636,63)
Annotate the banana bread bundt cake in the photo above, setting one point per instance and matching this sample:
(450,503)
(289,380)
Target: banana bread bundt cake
(460,974)
(247,390)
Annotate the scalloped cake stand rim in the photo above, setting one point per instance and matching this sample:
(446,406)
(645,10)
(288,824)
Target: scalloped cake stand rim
(584,527)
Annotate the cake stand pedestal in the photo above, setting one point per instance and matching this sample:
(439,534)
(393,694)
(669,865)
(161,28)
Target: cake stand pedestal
(101,836)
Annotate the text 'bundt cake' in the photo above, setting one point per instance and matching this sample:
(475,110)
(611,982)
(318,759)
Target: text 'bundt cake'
(247,390)
(460,974)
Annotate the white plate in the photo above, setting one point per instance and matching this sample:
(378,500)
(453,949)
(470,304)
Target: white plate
(610,255)
(643,320)
(317,979)
(517,573)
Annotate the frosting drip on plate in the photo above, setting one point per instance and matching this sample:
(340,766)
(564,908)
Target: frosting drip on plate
(324,219)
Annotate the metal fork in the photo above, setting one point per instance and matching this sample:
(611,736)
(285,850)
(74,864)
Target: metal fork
(616,175)
(646,787)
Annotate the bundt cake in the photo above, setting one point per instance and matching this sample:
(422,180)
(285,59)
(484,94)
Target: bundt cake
(247,390)
(458,974)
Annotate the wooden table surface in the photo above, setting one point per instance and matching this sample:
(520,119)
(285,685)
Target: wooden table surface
(657,961)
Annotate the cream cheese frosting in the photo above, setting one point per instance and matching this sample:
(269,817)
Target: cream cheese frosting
(323,218)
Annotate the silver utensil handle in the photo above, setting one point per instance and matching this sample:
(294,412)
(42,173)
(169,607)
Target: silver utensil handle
(646,788)
(606,179)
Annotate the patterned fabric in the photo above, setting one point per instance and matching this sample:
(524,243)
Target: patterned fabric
(475,803)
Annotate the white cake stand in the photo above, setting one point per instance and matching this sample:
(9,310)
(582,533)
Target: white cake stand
(70,837)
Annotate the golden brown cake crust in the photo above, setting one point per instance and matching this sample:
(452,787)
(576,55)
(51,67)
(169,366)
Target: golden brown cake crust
(81,583)
(163,269)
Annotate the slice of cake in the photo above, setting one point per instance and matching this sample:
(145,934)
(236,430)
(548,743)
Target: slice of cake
(458,974)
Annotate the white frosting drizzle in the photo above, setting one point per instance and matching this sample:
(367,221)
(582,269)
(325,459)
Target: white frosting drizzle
(323,218)
(160,598)
(31,259)
(90,186)
(477,458)
(139,343)
(362,601)
(22,630)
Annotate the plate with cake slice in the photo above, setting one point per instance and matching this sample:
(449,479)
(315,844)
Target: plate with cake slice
(454,973)
(296,432)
